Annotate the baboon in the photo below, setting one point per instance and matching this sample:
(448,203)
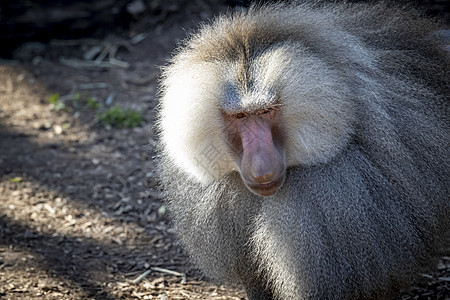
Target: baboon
(305,148)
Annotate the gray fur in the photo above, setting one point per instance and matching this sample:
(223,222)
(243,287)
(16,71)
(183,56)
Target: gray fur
(359,218)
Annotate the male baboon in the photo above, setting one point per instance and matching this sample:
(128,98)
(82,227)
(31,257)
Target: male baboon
(305,148)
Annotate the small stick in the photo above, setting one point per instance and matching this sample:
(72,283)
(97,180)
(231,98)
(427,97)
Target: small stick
(142,276)
(94,85)
(162,270)
(157,269)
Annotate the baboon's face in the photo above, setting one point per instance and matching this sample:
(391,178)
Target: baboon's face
(256,139)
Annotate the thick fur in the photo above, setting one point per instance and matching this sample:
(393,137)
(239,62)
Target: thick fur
(363,94)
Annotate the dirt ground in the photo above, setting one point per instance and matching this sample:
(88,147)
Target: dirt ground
(81,214)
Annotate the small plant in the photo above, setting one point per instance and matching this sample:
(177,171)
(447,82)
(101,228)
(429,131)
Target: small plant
(76,98)
(93,103)
(16,179)
(155,3)
(119,117)
(56,101)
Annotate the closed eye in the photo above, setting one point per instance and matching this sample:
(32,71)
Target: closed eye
(264,111)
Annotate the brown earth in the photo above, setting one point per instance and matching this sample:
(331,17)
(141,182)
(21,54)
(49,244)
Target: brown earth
(81,215)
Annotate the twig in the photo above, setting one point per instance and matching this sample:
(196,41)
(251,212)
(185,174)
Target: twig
(74,42)
(94,85)
(162,270)
(102,50)
(142,276)
(78,63)
(446,279)
(157,269)
(110,98)
(138,38)
(427,276)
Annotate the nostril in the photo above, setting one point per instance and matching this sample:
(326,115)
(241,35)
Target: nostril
(266,178)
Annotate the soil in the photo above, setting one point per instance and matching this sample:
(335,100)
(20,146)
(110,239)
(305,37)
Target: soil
(81,213)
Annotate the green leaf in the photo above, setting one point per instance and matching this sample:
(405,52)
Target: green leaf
(118,117)
(54,99)
(16,179)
